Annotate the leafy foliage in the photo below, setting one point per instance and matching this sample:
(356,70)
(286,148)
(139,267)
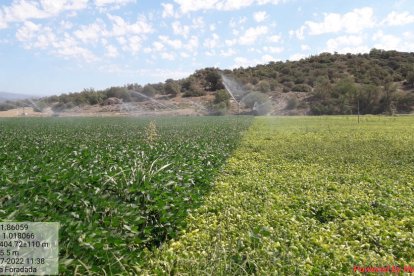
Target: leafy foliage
(172,87)
(118,186)
(304,196)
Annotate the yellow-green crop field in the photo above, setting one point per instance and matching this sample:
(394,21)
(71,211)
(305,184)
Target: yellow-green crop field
(305,195)
(215,195)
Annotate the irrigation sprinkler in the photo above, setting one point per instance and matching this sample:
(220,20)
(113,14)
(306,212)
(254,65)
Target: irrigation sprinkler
(233,88)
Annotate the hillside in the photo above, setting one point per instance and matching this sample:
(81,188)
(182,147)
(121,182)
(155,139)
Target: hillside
(6,96)
(380,82)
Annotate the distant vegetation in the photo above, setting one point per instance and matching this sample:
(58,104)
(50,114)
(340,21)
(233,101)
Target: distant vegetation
(380,82)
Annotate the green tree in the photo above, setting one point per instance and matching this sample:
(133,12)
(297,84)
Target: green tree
(222,96)
(118,92)
(344,92)
(323,89)
(149,90)
(369,97)
(389,97)
(264,86)
(292,103)
(172,87)
(213,81)
(191,88)
(410,78)
(254,98)
(221,102)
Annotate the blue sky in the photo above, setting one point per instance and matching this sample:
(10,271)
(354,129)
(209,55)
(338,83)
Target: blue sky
(59,46)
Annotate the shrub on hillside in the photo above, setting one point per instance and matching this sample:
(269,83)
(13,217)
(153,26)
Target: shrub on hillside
(301,88)
(7,106)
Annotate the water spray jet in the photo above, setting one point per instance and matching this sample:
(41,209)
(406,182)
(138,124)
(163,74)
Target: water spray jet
(151,99)
(234,90)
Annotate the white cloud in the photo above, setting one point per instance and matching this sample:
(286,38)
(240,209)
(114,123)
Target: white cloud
(245,62)
(52,7)
(133,44)
(68,48)
(164,74)
(297,56)
(242,62)
(66,25)
(408,35)
(45,39)
(76,52)
(194,5)
(237,23)
(274,2)
(3,22)
(275,38)
(228,53)
(305,47)
(91,33)
(76,4)
(299,33)
(128,35)
(187,6)
(255,50)
(267,58)
(69,43)
(386,41)
(229,5)
(27,31)
(111,51)
(212,42)
(167,56)
(120,27)
(252,34)
(152,74)
(351,22)
(168,10)
(398,19)
(210,53)
(260,16)
(174,43)
(352,40)
(180,29)
(347,44)
(273,50)
(21,10)
(37,36)
(122,40)
(197,23)
(192,44)
(117,3)
(157,46)
(230,42)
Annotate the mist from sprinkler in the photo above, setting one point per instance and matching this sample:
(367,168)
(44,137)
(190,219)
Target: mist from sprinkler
(236,91)
(240,94)
(151,99)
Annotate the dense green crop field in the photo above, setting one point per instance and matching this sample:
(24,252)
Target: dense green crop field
(118,187)
(304,195)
